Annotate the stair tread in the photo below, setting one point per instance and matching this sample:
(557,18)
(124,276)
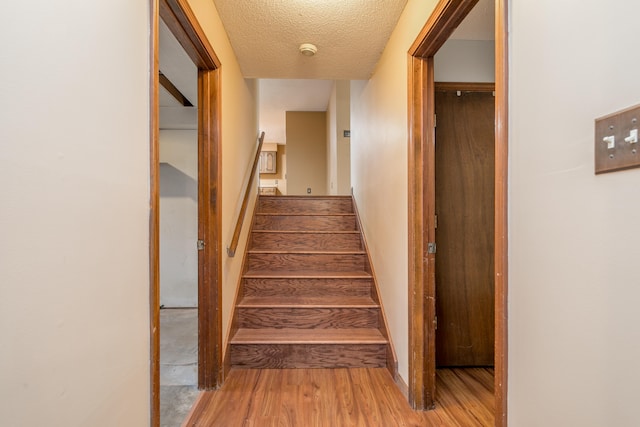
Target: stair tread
(308,302)
(305,274)
(309,213)
(306,197)
(308,336)
(306,252)
(306,231)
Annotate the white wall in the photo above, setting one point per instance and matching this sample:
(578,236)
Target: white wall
(178,218)
(379,169)
(339,146)
(343,144)
(465,61)
(74,252)
(574,339)
(239,144)
(332,144)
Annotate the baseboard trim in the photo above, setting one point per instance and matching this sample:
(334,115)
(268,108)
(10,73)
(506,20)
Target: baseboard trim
(402,386)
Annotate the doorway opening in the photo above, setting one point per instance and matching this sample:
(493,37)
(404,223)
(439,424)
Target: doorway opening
(446,17)
(464,175)
(307,139)
(178,145)
(182,24)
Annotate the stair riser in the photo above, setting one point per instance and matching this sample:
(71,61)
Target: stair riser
(307,247)
(304,205)
(305,262)
(308,318)
(309,356)
(305,242)
(305,223)
(307,287)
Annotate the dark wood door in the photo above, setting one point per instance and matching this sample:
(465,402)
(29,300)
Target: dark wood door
(465,227)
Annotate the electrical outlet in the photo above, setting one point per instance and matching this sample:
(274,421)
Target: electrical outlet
(308,190)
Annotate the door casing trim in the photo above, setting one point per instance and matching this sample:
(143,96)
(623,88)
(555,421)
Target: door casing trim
(447,15)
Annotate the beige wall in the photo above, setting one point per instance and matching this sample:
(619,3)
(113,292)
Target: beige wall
(74,251)
(239,144)
(306,152)
(573,284)
(75,218)
(574,237)
(379,169)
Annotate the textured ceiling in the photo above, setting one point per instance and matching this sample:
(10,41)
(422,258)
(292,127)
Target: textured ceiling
(350,36)
(278,96)
(266,34)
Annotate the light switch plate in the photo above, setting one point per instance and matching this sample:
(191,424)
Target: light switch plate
(624,154)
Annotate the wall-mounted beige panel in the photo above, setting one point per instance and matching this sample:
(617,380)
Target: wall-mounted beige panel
(306,153)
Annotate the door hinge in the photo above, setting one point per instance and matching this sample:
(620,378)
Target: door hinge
(435,221)
(200,245)
(431,248)
(435,322)
(435,120)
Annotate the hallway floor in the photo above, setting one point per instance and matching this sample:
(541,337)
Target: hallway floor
(178,364)
(342,397)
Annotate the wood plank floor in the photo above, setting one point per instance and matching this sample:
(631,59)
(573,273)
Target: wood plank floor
(341,397)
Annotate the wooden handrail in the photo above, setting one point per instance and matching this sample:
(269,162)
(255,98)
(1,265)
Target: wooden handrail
(231,250)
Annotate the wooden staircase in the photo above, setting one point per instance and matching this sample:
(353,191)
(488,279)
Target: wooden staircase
(308,297)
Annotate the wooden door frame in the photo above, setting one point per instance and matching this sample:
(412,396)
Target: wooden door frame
(447,15)
(182,22)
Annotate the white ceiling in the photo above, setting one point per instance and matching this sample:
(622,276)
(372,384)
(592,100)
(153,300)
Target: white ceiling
(350,36)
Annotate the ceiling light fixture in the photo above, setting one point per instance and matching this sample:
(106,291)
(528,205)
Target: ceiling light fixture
(308,49)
